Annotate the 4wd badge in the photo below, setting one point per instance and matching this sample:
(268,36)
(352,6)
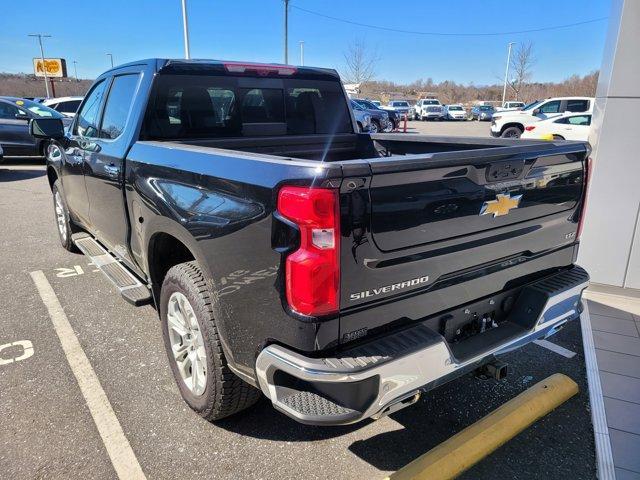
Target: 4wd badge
(502,205)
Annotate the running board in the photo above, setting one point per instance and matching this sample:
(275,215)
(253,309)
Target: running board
(131,289)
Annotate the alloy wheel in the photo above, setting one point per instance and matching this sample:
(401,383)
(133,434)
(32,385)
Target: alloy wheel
(187,343)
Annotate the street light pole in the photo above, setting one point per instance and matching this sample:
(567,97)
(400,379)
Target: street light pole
(185,28)
(44,67)
(302,53)
(286,31)
(110,55)
(506,73)
(75,70)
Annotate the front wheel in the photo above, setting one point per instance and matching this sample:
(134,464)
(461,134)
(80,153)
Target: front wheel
(193,344)
(375,127)
(65,225)
(511,132)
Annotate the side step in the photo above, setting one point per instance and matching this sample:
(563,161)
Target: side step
(132,290)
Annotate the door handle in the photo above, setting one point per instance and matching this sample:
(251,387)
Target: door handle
(112,170)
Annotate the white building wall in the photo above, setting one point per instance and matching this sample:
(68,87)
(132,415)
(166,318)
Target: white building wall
(610,245)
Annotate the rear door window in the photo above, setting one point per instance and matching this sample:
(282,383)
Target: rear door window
(577,105)
(118,105)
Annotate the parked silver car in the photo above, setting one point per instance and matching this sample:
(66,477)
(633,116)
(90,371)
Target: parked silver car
(362,117)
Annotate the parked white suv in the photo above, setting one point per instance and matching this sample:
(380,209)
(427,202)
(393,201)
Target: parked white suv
(428,109)
(511,124)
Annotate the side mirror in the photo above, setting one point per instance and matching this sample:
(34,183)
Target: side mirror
(46,128)
(536,111)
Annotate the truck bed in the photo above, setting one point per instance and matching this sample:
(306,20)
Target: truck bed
(357,146)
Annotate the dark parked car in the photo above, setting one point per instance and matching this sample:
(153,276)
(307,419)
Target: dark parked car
(15,114)
(482,112)
(339,275)
(394,118)
(379,118)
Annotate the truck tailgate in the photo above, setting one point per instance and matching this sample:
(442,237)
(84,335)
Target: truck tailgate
(426,233)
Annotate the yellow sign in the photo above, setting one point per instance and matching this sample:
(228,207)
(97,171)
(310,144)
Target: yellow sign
(501,205)
(55,67)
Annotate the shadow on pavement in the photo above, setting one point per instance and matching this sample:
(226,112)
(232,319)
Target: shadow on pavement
(264,422)
(11,171)
(15,175)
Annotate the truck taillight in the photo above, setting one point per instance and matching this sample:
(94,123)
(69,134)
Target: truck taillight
(313,270)
(588,167)
(528,128)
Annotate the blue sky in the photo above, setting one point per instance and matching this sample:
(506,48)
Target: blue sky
(252,30)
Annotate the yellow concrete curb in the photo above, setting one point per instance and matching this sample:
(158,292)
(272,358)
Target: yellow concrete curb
(463,450)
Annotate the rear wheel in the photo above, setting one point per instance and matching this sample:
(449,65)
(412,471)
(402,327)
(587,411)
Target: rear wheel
(65,225)
(511,132)
(193,345)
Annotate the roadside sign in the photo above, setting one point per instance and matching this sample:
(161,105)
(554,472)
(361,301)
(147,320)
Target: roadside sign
(56,67)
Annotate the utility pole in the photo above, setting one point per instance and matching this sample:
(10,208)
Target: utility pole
(110,55)
(44,67)
(185,28)
(75,70)
(506,73)
(302,53)
(286,31)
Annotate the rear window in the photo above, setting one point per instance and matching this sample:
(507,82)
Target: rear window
(211,106)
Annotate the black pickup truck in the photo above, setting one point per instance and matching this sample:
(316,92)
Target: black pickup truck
(339,274)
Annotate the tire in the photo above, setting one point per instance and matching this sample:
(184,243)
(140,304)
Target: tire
(511,132)
(375,127)
(65,225)
(558,137)
(220,393)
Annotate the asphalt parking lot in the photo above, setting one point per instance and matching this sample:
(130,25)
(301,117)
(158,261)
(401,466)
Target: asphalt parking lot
(47,430)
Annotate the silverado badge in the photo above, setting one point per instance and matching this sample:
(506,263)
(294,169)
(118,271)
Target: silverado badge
(503,203)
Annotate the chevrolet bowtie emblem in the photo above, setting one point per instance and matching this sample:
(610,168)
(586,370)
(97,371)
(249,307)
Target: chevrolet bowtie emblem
(501,205)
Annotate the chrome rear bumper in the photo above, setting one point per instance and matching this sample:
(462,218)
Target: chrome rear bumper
(384,375)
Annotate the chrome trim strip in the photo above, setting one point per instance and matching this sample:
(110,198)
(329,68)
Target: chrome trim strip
(403,375)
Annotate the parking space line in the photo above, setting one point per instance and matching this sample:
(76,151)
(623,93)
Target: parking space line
(555,348)
(118,448)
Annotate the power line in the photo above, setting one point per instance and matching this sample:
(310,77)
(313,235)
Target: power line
(447,34)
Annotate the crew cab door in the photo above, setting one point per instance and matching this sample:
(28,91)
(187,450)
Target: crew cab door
(104,164)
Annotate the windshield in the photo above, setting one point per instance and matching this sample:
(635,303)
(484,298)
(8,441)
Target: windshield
(37,109)
(356,105)
(400,104)
(431,102)
(486,108)
(532,105)
(455,107)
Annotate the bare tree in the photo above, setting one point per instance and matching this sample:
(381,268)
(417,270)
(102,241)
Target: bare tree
(521,63)
(360,63)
